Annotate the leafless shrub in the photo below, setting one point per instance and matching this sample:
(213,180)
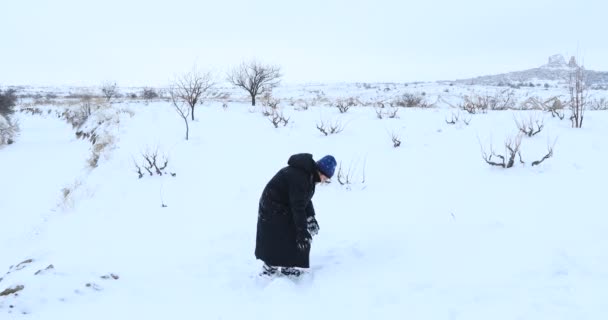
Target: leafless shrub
(410,100)
(379,113)
(512,150)
(530,126)
(391,112)
(267,112)
(332,128)
(342,107)
(546,156)
(346,177)
(86,108)
(255,78)
(599,104)
(457,117)
(501,100)
(344,104)
(475,104)
(269,101)
(396,140)
(507,160)
(277,118)
(149,94)
(152,164)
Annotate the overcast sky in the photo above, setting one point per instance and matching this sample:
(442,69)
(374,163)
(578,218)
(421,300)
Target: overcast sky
(147,42)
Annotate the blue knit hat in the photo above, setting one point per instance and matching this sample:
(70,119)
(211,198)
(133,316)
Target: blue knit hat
(327,165)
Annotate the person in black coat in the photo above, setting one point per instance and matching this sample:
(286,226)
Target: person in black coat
(286,215)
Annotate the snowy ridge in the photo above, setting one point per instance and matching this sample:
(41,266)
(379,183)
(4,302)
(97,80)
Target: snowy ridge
(556,70)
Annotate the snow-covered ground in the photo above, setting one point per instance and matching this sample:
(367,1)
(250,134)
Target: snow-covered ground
(427,230)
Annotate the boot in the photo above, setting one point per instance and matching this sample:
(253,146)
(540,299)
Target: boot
(268,270)
(291,272)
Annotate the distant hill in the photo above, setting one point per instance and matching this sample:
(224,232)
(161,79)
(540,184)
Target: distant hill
(556,70)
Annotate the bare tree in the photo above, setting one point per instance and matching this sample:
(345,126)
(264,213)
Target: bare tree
(191,88)
(255,78)
(149,93)
(109,90)
(578,96)
(181,107)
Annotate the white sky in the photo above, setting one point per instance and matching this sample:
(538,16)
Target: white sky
(147,42)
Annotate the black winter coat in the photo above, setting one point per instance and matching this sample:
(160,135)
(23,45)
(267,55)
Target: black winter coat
(283,210)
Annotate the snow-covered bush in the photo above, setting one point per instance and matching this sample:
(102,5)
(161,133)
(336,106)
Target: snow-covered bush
(8,130)
(78,115)
(481,103)
(410,100)
(8,99)
(99,129)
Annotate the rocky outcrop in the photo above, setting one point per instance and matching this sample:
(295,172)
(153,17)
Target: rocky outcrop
(556,70)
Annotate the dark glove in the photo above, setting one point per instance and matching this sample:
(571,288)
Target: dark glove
(313,226)
(303,241)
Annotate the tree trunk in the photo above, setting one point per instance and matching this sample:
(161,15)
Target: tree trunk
(252,99)
(192,113)
(187,128)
